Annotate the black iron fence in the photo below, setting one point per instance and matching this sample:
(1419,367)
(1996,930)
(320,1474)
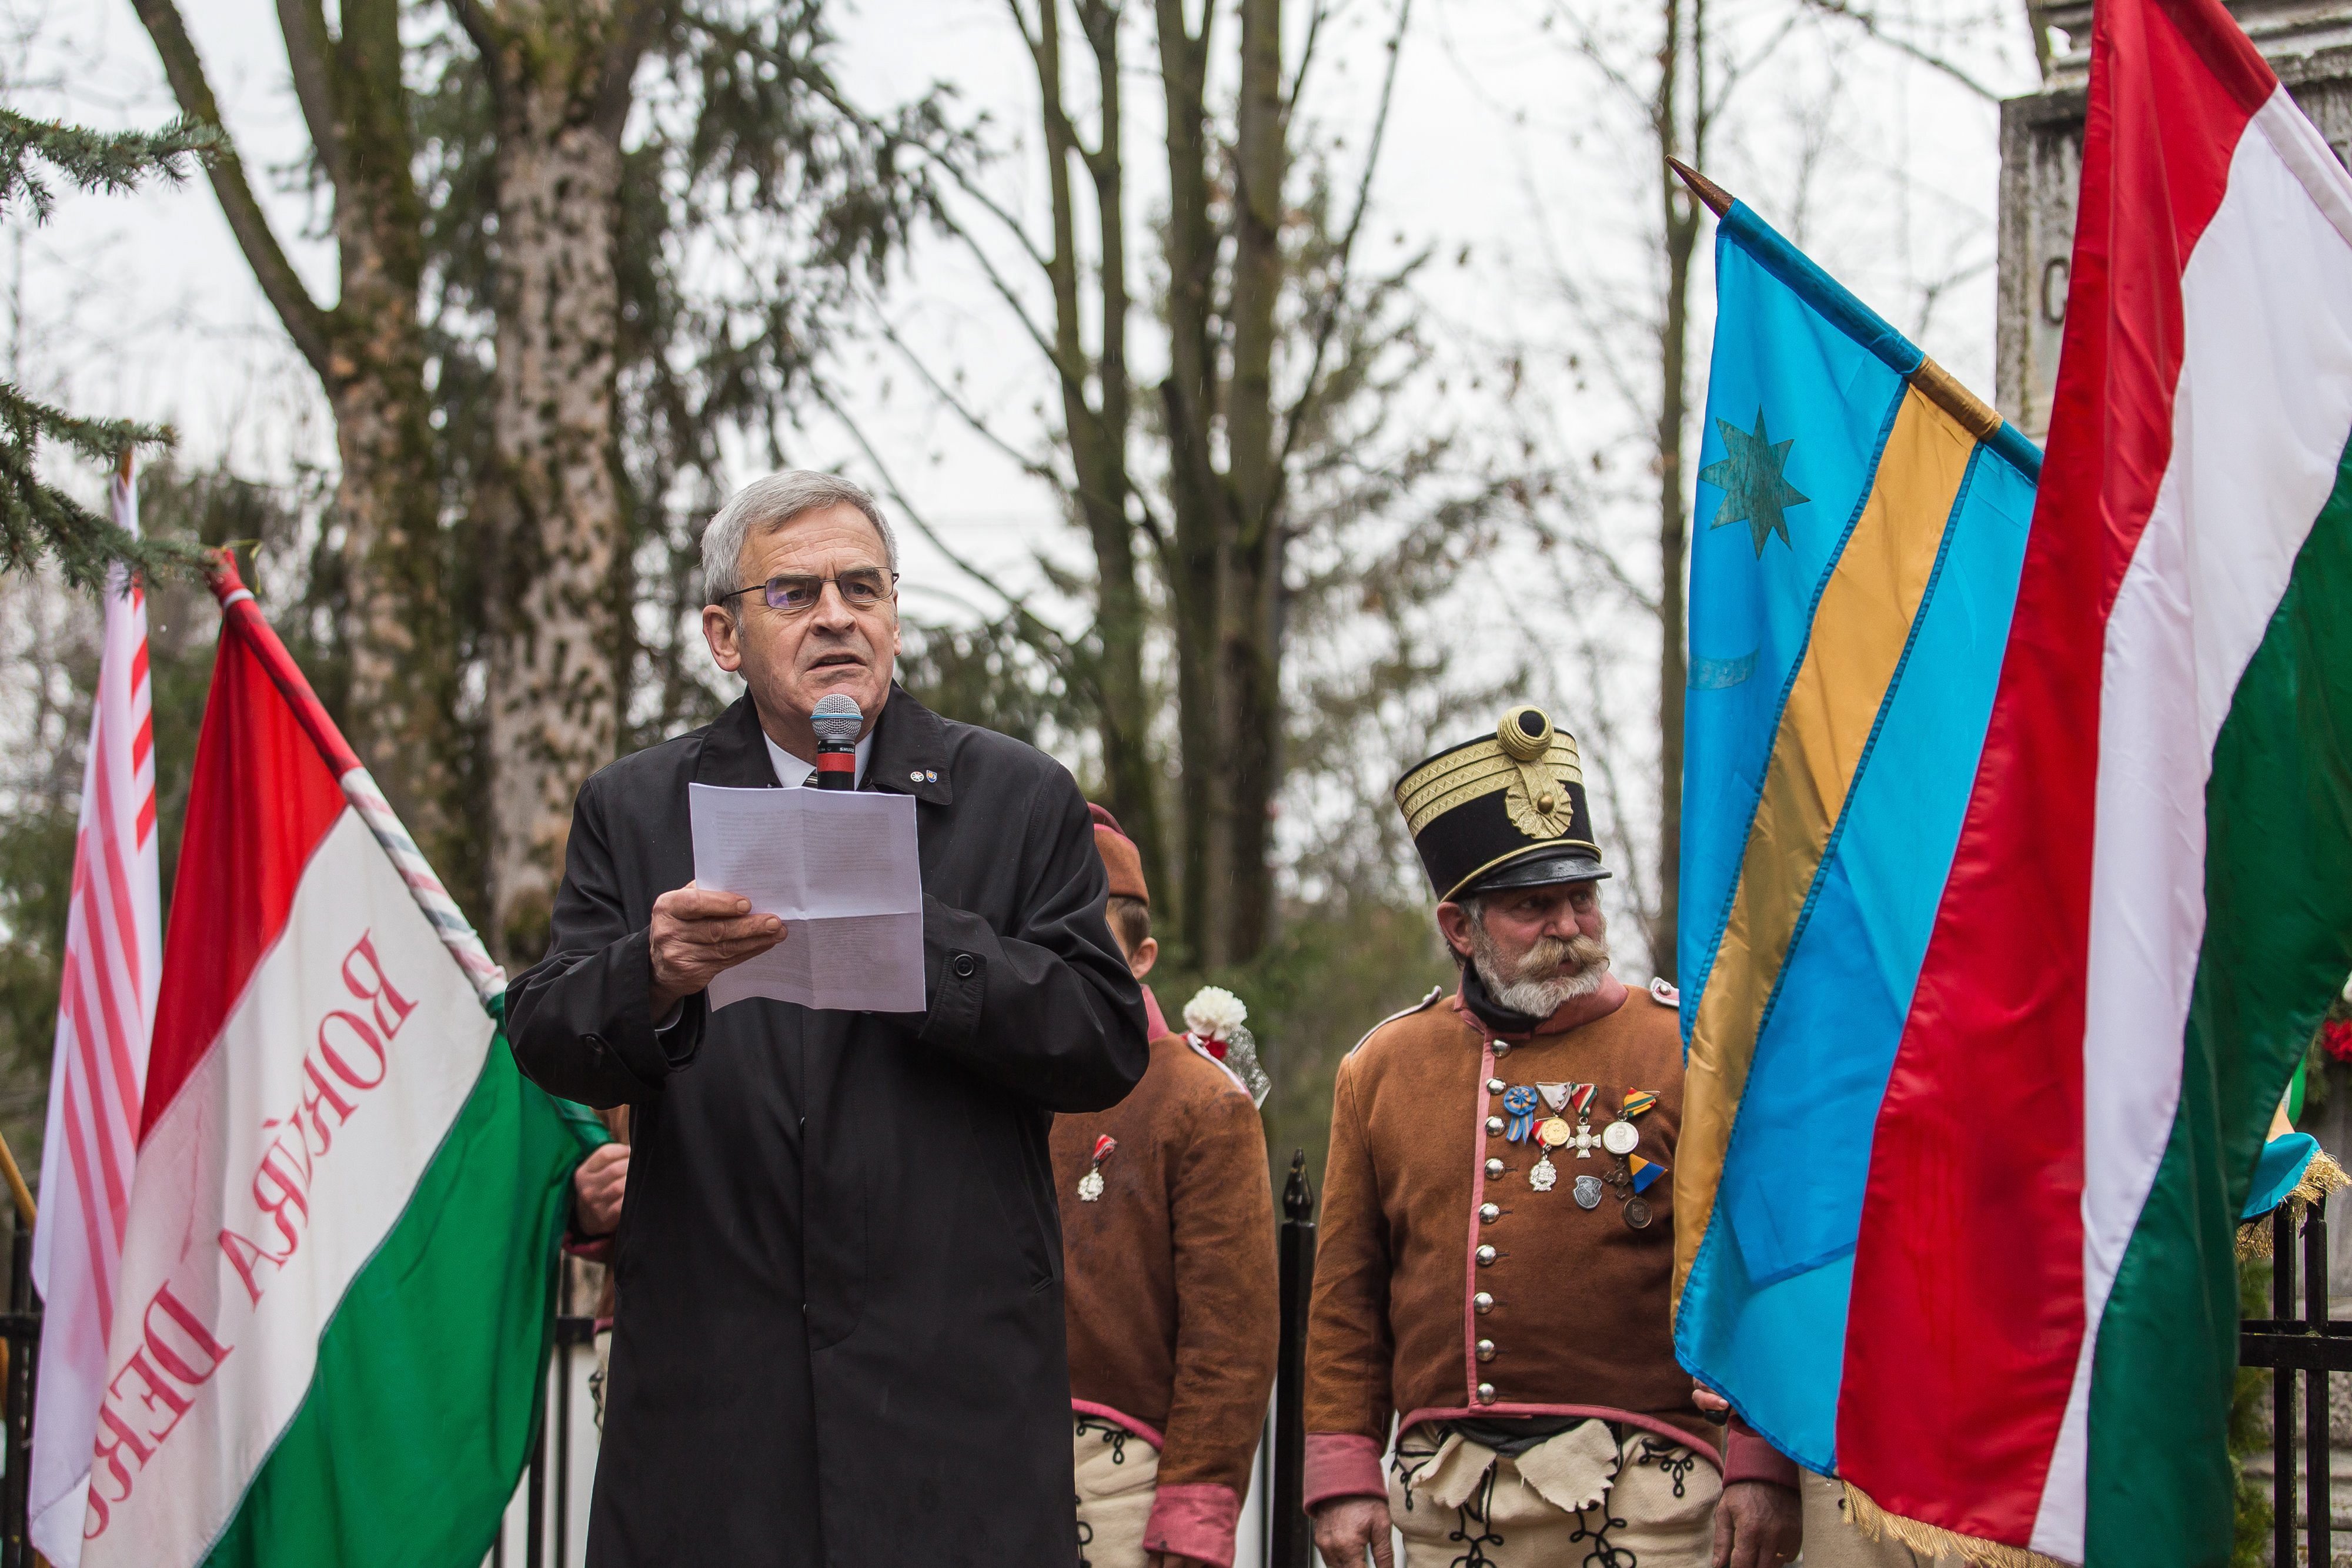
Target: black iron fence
(2308,1342)
(2313,1344)
(1289,1544)
(20,1340)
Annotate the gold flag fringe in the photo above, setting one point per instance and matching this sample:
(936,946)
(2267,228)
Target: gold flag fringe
(1934,1541)
(2320,1177)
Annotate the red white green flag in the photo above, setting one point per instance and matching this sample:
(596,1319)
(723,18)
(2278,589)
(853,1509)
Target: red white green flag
(2151,900)
(336,1271)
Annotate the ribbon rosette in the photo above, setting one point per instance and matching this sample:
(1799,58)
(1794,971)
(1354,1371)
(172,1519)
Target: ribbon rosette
(1519,1104)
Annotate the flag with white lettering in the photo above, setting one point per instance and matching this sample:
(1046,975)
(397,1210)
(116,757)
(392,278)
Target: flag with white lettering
(336,1269)
(106,1000)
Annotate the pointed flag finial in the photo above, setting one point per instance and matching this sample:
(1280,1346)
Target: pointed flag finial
(1718,199)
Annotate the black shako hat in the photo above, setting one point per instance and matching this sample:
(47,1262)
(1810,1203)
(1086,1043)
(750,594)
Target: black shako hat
(1506,811)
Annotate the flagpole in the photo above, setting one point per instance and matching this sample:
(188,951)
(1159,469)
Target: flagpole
(16,1188)
(1718,199)
(1928,378)
(242,615)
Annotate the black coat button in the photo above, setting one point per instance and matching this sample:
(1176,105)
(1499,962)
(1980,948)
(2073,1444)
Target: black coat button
(965,967)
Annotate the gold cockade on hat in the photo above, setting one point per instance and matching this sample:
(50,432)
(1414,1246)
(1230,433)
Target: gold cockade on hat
(1530,761)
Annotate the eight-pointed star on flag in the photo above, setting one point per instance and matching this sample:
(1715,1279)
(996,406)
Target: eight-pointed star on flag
(1755,489)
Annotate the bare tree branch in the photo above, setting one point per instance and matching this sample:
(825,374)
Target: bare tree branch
(304,23)
(1307,53)
(1867,20)
(1590,47)
(1734,73)
(1035,467)
(474,19)
(310,326)
(1037,633)
(1296,419)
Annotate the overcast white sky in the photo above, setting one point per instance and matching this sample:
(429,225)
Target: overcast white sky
(1495,150)
(1507,156)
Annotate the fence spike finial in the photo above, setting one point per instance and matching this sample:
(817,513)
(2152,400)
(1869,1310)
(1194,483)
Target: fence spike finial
(1298,1192)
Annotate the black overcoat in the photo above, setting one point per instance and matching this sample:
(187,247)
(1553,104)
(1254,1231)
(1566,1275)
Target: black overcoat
(840,1333)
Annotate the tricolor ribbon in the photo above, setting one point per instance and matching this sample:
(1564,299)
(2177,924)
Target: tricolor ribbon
(1637,1102)
(1580,1096)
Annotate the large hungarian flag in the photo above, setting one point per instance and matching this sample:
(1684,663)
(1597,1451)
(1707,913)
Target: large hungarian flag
(336,1274)
(2150,901)
(2018,866)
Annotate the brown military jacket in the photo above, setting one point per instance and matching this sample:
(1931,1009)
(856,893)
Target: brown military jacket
(1447,1286)
(1169,1286)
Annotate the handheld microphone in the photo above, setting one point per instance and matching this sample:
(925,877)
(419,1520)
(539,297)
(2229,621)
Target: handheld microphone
(836,721)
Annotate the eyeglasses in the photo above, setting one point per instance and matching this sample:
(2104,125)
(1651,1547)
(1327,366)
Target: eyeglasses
(794,592)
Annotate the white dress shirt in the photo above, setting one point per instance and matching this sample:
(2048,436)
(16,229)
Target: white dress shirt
(792,772)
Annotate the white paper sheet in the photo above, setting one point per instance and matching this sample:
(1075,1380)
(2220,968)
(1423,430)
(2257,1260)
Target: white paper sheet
(840,866)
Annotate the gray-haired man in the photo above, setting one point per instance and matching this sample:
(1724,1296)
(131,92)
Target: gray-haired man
(839,1332)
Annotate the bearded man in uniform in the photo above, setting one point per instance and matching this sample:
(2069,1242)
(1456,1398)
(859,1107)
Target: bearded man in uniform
(1497,1238)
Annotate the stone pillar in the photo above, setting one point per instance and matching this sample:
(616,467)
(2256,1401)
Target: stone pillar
(2307,42)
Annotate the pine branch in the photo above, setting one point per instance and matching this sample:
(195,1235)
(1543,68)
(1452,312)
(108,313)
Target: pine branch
(109,162)
(39,520)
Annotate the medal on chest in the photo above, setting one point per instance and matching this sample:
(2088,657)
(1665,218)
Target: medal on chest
(1551,1134)
(1520,1105)
(1636,1176)
(1090,1186)
(1579,1099)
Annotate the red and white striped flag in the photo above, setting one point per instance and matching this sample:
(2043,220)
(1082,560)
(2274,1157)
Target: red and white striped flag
(106,1007)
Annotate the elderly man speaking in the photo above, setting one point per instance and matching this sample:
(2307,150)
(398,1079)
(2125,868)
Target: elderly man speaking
(839,1337)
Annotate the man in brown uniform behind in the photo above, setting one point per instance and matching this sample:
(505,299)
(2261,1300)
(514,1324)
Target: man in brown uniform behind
(1169,1285)
(1496,1242)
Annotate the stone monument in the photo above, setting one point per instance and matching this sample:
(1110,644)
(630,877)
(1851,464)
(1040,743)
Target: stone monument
(2307,42)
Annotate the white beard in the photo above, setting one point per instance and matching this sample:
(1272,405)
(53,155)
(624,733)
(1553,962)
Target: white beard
(1546,991)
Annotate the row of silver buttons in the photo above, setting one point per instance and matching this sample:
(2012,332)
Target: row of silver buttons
(1483,1302)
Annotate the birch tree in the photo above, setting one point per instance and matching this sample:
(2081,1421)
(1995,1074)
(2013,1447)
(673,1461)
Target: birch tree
(556,659)
(511,265)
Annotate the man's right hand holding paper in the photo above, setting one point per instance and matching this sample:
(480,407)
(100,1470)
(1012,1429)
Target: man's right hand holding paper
(696,933)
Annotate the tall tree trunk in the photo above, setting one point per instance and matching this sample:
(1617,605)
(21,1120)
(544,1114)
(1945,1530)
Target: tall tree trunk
(1681,235)
(560,639)
(1249,660)
(1098,434)
(1196,558)
(368,353)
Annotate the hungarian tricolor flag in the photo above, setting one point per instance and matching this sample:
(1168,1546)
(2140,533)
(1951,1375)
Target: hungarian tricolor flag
(2150,901)
(336,1271)
(2017,861)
